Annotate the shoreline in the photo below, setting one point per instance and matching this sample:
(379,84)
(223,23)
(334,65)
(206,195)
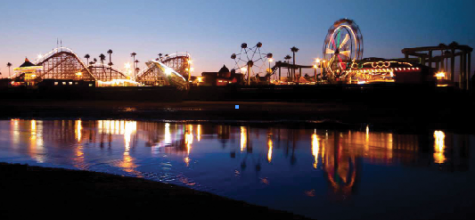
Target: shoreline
(58,192)
(386,114)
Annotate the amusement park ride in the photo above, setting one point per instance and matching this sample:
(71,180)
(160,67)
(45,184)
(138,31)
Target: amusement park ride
(342,62)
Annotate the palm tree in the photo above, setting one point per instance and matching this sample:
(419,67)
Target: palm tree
(294,50)
(287,60)
(87,58)
(133,54)
(102,57)
(136,68)
(110,57)
(94,60)
(9,67)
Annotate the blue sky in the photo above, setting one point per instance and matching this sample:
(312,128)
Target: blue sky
(212,30)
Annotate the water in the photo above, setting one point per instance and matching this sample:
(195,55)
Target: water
(319,173)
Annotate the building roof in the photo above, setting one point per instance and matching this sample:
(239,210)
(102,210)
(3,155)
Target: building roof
(224,69)
(27,63)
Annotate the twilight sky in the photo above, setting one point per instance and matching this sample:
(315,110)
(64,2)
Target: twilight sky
(211,30)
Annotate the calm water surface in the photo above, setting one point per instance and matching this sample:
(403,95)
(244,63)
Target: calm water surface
(324,174)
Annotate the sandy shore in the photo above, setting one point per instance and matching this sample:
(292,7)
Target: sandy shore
(34,192)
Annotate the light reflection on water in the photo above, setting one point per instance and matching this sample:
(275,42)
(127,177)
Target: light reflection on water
(266,165)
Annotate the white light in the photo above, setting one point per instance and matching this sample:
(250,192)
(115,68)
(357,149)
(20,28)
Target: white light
(168,71)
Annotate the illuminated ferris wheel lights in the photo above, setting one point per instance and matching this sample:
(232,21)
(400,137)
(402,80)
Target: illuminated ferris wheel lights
(243,69)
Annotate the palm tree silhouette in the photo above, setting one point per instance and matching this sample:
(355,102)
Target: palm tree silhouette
(102,57)
(294,50)
(136,67)
(94,60)
(287,60)
(9,67)
(110,57)
(87,58)
(110,62)
(133,54)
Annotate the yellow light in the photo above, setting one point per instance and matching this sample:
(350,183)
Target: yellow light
(243,69)
(243,138)
(269,152)
(168,71)
(271,60)
(198,132)
(190,61)
(440,75)
(200,79)
(315,66)
(317,60)
(315,149)
(192,69)
(439,147)
(78,74)
(78,130)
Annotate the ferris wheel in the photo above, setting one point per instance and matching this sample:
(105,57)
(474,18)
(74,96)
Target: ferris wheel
(251,61)
(343,47)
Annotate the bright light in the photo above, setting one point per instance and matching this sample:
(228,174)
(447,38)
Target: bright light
(200,79)
(315,149)
(78,74)
(271,60)
(440,75)
(269,151)
(127,65)
(192,69)
(439,147)
(315,66)
(317,60)
(243,138)
(243,70)
(190,61)
(40,56)
(168,71)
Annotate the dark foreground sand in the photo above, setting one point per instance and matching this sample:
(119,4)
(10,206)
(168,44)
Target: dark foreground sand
(29,192)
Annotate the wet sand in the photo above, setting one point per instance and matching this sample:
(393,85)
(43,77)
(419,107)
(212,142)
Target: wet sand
(34,192)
